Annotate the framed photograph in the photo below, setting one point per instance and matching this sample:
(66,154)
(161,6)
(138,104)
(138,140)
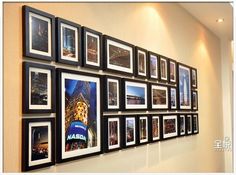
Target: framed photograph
(38,88)
(153,65)
(38,143)
(112,90)
(195,124)
(182,125)
(92,48)
(118,56)
(189,124)
(172,71)
(141,62)
(78,114)
(194,100)
(159,96)
(194,78)
(112,133)
(172,98)
(130,131)
(38,34)
(135,95)
(170,126)
(163,71)
(143,129)
(184,85)
(68,42)
(155,128)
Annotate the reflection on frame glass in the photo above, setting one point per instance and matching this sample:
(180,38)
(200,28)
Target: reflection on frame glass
(135,95)
(38,143)
(130,131)
(119,55)
(39,29)
(79,115)
(143,129)
(113,133)
(169,126)
(184,87)
(159,97)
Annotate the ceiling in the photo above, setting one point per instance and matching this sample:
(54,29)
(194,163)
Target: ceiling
(208,13)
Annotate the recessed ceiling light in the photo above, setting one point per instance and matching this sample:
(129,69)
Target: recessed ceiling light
(219,20)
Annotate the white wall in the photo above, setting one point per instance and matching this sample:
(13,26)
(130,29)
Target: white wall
(165,28)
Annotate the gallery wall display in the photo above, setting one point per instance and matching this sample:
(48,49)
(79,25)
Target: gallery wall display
(38,34)
(169,126)
(91,108)
(92,48)
(163,70)
(112,133)
(38,144)
(184,87)
(118,56)
(112,93)
(135,94)
(78,114)
(141,61)
(68,42)
(153,63)
(38,88)
(159,96)
(172,71)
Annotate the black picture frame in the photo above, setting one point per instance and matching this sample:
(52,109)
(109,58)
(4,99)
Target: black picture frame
(108,40)
(195,130)
(133,142)
(189,124)
(173,89)
(168,135)
(38,50)
(181,124)
(106,80)
(138,51)
(38,162)
(163,59)
(161,87)
(194,83)
(139,128)
(63,74)
(181,96)
(134,83)
(194,100)
(38,99)
(150,75)
(152,128)
(106,135)
(172,74)
(76,60)
(99,52)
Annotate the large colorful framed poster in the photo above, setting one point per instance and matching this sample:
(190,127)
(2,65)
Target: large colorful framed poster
(184,86)
(78,114)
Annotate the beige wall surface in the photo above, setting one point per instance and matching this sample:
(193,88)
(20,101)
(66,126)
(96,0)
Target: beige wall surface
(164,28)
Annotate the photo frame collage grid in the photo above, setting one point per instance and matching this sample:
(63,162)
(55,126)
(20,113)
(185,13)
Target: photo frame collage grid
(80,126)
